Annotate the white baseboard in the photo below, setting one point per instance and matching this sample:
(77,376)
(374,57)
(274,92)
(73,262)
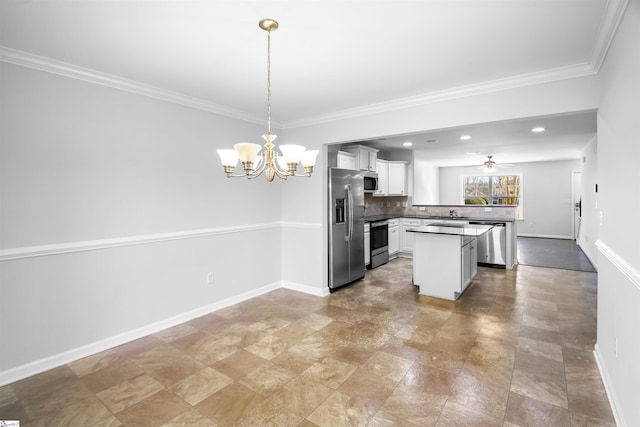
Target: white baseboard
(617,415)
(42,365)
(306,289)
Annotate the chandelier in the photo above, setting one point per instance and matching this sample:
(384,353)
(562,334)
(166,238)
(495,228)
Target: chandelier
(269,161)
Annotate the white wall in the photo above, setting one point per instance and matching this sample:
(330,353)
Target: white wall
(546,191)
(114,208)
(618,238)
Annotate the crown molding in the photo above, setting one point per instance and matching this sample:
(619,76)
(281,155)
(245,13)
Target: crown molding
(562,73)
(614,10)
(49,65)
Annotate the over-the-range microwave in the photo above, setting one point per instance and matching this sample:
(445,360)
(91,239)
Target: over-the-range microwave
(370,182)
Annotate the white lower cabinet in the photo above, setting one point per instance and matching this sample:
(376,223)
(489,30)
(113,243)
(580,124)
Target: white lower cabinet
(367,245)
(407,238)
(394,237)
(444,265)
(469,261)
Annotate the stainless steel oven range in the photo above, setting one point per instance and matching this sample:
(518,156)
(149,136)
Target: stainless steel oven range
(379,232)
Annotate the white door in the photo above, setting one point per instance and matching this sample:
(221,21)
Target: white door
(577,203)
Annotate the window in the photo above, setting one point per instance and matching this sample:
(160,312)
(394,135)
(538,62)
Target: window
(493,190)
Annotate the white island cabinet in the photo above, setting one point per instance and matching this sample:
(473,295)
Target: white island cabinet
(445,258)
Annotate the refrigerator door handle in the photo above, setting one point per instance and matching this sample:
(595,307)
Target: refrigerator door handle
(349,212)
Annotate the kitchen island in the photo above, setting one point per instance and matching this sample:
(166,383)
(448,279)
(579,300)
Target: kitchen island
(445,258)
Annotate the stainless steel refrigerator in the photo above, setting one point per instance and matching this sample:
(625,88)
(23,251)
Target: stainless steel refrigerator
(346,227)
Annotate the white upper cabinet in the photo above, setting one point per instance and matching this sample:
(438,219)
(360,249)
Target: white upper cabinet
(347,160)
(397,179)
(382,170)
(365,157)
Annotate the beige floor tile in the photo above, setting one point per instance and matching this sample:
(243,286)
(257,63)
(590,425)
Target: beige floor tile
(369,387)
(301,395)
(415,405)
(238,364)
(330,372)
(524,411)
(267,378)
(388,366)
(94,363)
(167,364)
(454,414)
(269,413)
(190,417)
(540,348)
(342,410)
(111,375)
(430,379)
(155,410)
(229,405)
(197,387)
(516,349)
(129,392)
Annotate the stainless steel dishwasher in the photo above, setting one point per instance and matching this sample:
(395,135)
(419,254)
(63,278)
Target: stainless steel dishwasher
(492,246)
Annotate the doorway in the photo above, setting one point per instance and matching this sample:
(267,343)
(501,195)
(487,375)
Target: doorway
(576,191)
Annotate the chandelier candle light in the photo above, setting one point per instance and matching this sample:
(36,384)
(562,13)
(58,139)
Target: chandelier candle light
(254,162)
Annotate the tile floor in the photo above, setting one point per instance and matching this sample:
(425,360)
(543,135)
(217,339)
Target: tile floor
(553,253)
(515,350)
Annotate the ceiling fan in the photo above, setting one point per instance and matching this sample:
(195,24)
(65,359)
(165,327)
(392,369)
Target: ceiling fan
(490,166)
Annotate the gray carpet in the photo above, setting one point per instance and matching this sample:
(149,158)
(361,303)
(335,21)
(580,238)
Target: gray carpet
(552,253)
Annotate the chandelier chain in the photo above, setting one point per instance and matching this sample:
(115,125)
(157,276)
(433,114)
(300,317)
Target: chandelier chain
(269,81)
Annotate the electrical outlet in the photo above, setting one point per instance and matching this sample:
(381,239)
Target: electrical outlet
(210,278)
(601,215)
(397,204)
(422,208)
(488,209)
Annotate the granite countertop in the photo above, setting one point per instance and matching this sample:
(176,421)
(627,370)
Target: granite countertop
(462,230)
(375,218)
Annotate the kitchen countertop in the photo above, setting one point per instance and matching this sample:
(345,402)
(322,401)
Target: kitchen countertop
(375,218)
(462,230)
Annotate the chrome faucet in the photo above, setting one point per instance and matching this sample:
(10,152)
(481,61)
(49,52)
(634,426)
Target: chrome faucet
(453,213)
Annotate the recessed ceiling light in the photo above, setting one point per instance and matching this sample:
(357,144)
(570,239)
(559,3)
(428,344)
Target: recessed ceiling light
(431,141)
(407,144)
(470,153)
(465,137)
(538,129)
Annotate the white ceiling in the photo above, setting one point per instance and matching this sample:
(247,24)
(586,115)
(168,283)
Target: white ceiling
(329,58)
(564,137)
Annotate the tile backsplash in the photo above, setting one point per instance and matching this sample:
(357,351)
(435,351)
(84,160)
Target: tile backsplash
(401,205)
